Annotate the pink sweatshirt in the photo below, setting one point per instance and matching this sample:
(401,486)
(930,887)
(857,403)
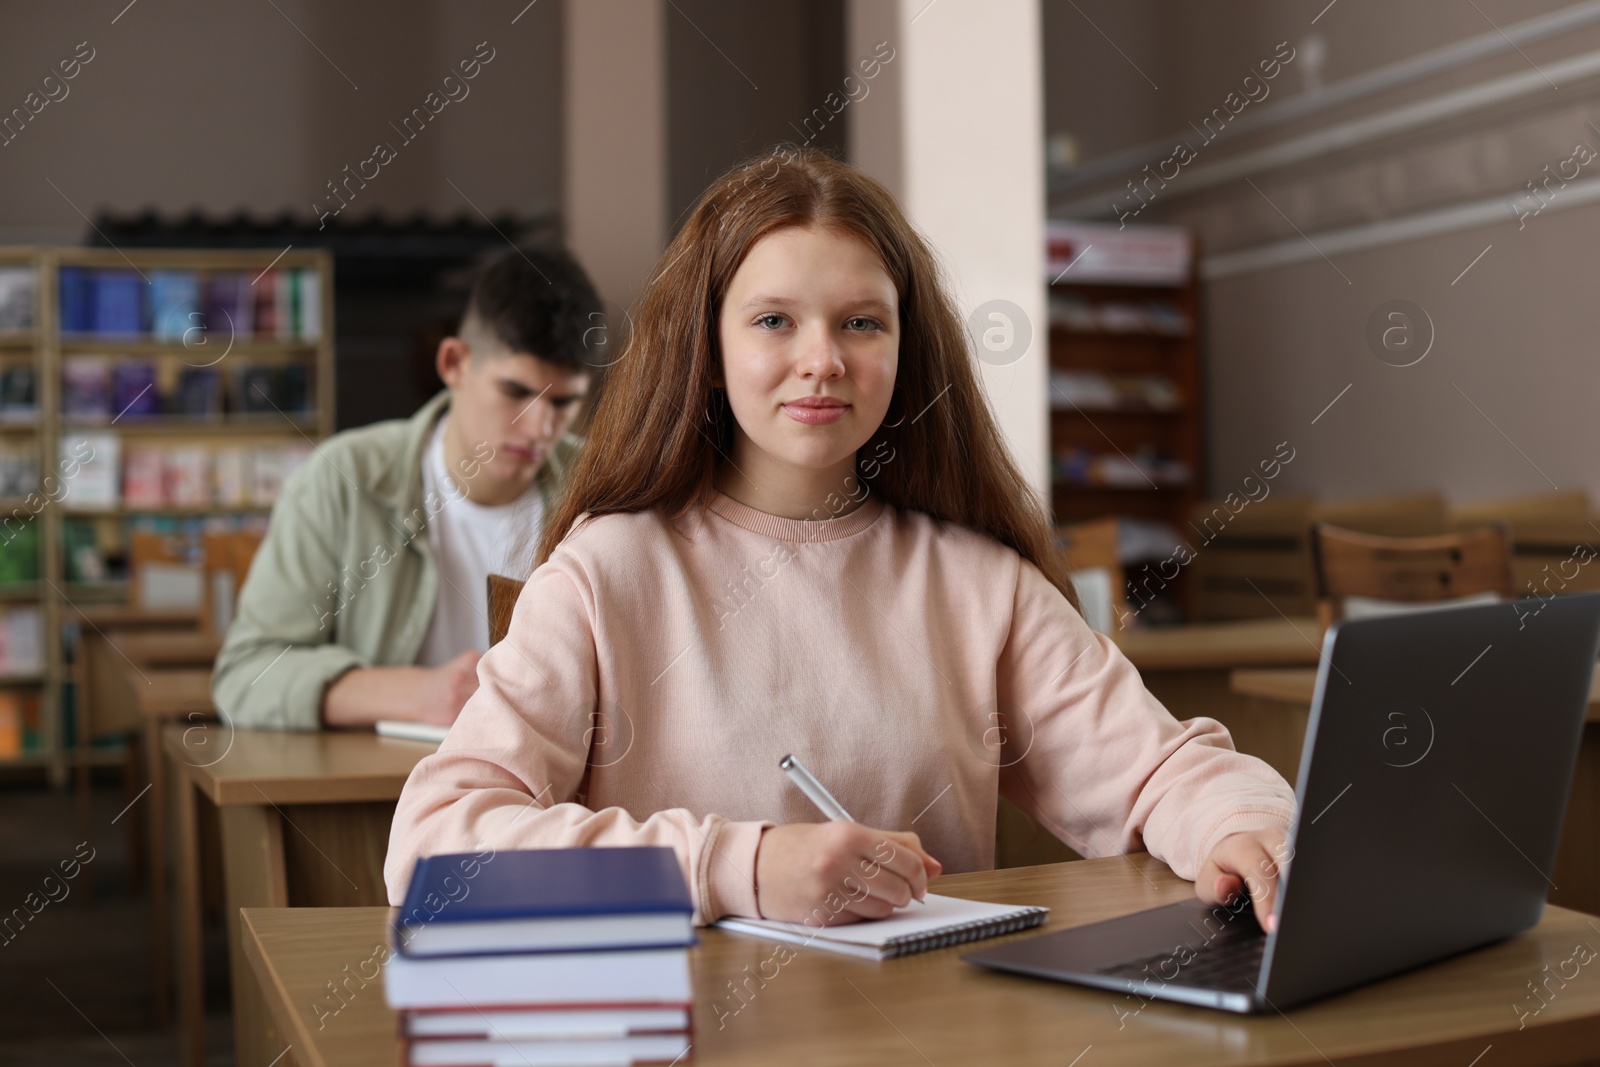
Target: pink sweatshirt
(654,674)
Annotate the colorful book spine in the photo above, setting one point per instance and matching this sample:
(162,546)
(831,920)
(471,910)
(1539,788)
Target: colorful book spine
(229,308)
(133,389)
(308,288)
(76,310)
(142,477)
(174,303)
(86,388)
(19,288)
(264,291)
(283,284)
(118,299)
(187,476)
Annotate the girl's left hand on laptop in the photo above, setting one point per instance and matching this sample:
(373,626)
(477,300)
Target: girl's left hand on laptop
(1246,861)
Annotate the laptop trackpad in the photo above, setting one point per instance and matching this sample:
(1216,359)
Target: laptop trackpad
(1163,943)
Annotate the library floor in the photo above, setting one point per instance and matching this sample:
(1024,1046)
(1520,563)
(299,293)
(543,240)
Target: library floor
(75,981)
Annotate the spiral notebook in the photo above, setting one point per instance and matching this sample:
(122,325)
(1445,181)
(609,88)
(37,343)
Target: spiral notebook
(941,922)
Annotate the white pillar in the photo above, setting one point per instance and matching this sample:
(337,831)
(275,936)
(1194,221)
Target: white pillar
(615,187)
(954,125)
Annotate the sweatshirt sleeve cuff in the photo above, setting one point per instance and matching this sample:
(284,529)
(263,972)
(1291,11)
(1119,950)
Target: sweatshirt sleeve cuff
(728,880)
(287,695)
(1255,817)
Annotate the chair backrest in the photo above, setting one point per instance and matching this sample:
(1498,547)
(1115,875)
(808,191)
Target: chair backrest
(225,565)
(1536,508)
(159,579)
(1091,553)
(1398,515)
(1410,570)
(1555,539)
(1253,559)
(503,593)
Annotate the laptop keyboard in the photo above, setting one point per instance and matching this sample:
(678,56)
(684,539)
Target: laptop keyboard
(1230,963)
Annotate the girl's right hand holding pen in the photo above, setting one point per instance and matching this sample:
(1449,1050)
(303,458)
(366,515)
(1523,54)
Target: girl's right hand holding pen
(838,872)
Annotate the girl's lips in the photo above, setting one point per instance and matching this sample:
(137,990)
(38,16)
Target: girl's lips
(816,415)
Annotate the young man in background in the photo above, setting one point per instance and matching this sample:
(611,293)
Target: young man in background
(367,598)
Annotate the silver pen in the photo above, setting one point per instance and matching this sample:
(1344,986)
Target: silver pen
(817,793)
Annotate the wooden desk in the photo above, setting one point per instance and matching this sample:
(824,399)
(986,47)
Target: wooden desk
(1577,871)
(824,1009)
(1217,645)
(160,696)
(183,648)
(1187,668)
(1298,686)
(305,822)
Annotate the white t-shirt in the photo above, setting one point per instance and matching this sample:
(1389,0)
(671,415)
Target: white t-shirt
(470,542)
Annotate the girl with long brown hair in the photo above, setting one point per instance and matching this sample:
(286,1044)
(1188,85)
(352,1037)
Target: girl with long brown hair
(795,528)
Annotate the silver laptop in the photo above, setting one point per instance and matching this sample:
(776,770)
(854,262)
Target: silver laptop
(1438,758)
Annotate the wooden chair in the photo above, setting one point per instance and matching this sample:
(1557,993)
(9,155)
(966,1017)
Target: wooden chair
(1555,538)
(1409,570)
(105,708)
(159,578)
(1397,515)
(226,559)
(1255,559)
(503,593)
(1091,552)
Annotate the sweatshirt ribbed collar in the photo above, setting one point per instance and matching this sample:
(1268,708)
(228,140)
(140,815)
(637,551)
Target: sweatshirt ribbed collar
(783,529)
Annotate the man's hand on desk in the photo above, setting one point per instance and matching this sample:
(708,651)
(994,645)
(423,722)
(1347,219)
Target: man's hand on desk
(412,694)
(1249,861)
(838,872)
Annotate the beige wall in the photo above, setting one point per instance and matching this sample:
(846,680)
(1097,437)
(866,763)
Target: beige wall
(1515,334)
(222,108)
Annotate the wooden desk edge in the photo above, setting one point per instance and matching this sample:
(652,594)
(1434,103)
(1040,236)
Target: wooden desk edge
(381,786)
(277,994)
(1289,685)
(1297,644)
(303,791)
(1559,1040)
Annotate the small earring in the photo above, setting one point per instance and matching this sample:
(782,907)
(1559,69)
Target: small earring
(892,398)
(710,417)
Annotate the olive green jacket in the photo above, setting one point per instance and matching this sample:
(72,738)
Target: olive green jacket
(346,576)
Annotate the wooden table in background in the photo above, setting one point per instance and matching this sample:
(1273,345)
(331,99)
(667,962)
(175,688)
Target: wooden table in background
(305,822)
(1223,645)
(825,1009)
(1187,668)
(163,696)
(1577,871)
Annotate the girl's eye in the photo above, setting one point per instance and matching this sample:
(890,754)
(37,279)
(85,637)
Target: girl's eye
(862,322)
(771,321)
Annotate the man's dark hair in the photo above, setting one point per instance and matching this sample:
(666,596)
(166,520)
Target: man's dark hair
(538,302)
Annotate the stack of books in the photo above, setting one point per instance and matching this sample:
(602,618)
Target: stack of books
(544,956)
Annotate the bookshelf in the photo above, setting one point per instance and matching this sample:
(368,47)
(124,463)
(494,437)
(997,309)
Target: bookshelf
(1126,385)
(186,384)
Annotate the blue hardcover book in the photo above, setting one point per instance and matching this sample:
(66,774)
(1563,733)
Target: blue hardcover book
(174,303)
(118,303)
(545,900)
(76,290)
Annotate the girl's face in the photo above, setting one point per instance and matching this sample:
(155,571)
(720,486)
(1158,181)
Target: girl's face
(810,337)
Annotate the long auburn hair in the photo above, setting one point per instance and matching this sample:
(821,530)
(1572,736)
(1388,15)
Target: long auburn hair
(660,428)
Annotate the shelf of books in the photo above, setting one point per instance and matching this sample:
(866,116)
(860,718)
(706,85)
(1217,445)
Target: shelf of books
(1126,404)
(168,391)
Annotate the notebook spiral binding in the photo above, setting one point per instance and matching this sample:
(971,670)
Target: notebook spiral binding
(961,933)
